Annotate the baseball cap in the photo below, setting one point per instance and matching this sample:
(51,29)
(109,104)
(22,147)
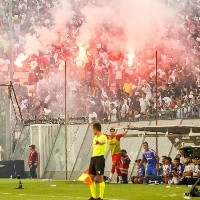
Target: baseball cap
(32,146)
(124,151)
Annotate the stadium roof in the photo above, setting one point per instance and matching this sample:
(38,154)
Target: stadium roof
(180,129)
(187,133)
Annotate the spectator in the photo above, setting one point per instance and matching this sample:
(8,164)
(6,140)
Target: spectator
(103,65)
(181,156)
(112,113)
(92,116)
(128,87)
(144,103)
(124,110)
(124,166)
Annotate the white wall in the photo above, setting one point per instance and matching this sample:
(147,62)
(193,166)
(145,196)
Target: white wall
(78,144)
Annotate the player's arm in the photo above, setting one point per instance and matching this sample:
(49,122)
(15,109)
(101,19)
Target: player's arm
(126,130)
(102,141)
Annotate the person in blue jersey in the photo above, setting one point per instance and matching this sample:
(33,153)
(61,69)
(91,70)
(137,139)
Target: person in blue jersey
(177,171)
(140,173)
(167,170)
(151,159)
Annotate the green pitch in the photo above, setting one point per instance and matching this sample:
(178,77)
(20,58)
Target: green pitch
(74,190)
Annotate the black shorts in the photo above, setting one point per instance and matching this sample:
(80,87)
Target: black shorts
(97,165)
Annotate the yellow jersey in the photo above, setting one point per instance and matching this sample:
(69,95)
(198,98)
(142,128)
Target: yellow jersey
(114,144)
(99,149)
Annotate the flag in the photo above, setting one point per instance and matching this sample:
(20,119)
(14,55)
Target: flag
(85,177)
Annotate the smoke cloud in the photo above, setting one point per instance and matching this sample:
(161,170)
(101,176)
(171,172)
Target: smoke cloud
(45,36)
(141,21)
(127,25)
(61,15)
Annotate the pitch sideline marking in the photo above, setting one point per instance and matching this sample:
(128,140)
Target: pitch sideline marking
(4,193)
(56,196)
(86,197)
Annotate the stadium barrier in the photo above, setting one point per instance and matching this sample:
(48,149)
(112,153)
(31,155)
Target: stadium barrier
(51,143)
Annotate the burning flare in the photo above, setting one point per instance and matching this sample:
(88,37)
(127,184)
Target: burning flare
(81,57)
(82,53)
(19,61)
(130,57)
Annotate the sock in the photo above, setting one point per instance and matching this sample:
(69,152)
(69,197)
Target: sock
(93,190)
(120,178)
(101,189)
(111,174)
(118,172)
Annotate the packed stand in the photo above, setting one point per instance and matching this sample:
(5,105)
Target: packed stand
(102,85)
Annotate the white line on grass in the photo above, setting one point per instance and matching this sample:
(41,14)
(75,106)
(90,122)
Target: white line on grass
(84,198)
(71,197)
(4,193)
(114,199)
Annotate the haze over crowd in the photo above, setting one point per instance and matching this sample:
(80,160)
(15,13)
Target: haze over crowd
(109,48)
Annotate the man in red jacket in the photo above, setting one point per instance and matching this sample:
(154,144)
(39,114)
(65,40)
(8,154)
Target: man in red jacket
(124,165)
(33,161)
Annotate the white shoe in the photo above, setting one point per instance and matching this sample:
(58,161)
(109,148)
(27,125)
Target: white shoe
(108,180)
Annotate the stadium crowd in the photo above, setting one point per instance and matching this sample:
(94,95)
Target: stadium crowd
(103,84)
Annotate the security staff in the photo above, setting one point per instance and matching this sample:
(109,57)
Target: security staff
(33,161)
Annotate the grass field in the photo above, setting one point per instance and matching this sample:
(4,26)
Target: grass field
(74,190)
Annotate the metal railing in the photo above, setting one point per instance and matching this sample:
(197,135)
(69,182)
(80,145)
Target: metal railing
(182,112)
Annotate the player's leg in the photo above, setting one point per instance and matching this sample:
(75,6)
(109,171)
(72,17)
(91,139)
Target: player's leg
(166,179)
(100,166)
(125,178)
(113,168)
(112,171)
(117,160)
(147,174)
(140,180)
(133,179)
(92,173)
